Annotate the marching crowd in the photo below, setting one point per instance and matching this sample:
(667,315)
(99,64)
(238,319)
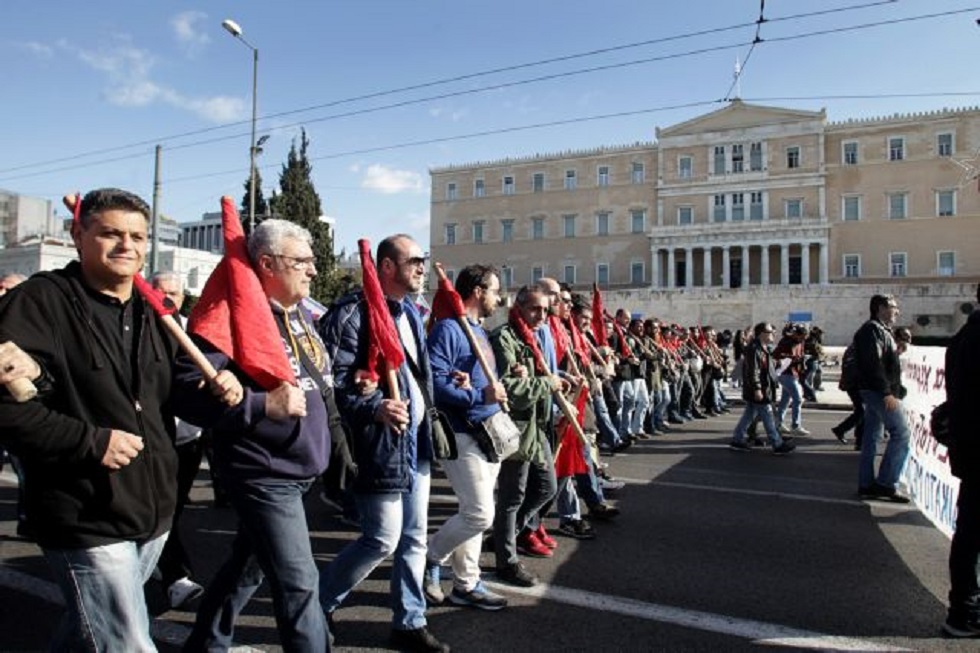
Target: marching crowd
(518,417)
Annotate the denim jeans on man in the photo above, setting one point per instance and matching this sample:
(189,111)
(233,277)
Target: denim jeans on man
(964,555)
(391,523)
(103,590)
(460,539)
(876,420)
(273,541)
(608,434)
(791,392)
(762,412)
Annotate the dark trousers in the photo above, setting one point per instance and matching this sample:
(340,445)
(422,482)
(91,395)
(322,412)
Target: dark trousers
(964,554)
(856,419)
(521,494)
(174,562)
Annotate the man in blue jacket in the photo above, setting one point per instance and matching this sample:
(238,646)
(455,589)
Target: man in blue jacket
(392,447)
(269,450)
(473,474)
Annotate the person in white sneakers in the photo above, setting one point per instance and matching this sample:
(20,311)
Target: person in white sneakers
(790,358)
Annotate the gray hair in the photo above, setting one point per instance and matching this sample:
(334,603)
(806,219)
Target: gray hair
(268,236)
(168,275)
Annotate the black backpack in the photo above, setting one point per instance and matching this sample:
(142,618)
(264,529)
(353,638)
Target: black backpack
(848,369)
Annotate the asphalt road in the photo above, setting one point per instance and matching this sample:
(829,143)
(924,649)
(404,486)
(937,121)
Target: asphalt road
(714,551)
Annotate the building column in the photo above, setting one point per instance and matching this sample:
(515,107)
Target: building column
(764,261)
(824,264)
(805,264)
(688,267)
(726,267)
(671,269)
(706,266)
(655,267)
(784,264)
(745,267)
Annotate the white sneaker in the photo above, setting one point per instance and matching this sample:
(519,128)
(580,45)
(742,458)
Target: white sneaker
(784,429)
(799,430)
(183,591)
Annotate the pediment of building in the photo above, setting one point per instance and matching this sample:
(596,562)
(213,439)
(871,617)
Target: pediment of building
(738,115)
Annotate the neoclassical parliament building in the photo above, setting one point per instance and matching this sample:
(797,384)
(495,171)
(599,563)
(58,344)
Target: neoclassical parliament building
(743,214)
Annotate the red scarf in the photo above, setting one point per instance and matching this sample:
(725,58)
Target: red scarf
(516,321)
(560,336)
(578,343)
(624,348)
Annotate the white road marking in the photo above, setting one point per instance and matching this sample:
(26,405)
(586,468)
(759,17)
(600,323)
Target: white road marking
(759,632)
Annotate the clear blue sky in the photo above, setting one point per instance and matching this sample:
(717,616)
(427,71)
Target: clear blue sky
(80,77)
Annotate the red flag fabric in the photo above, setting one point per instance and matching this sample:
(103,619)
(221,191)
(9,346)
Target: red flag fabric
(578,344)
(560,336)
(446,303)
(385,347)
(570,460)
(598,318)
(624,348)
(516,320)
(233,312)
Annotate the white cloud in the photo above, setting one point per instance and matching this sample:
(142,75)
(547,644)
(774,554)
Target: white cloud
(128,69)
(419,220)
(187,32)
(390,181)
(39,50)
(454,115)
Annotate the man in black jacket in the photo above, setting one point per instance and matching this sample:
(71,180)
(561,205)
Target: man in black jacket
(880,382)
(97,441)
(759,392)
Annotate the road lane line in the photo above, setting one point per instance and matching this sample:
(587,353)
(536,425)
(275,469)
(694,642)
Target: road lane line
(759,632)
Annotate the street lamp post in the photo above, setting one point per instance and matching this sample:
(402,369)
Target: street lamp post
(235,30)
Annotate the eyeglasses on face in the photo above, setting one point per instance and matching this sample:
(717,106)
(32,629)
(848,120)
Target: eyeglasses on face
(414,261)
(298,263)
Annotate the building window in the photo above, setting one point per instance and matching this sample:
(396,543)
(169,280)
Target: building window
(571,180)
(602,224)
(755,205)
(509,188)
(637,173)
(451,191)
(944,144)
(506,276)
(451,275)
(850,153)
(738,207)
(946,263)
(602,178)
(793,157)
(755,157)
(685,215)
(537,182)
(478,231)
(507,230)
(568,275)
(719,208)
(636,273)
(537,228)
(851,207)
(569,224)
(479,189)
(896,148)
(450,234)
(602,274)
(685,167)
(897,263)
(719,159)
(794,208)
(897,206)
(852,266)
(738,158)
(945,203)
(536,273)
(638,221)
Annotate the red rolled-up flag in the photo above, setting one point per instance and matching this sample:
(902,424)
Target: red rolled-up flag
(384,348)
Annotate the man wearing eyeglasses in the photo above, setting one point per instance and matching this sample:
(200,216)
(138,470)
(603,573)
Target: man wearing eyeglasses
(880,383)
(392,447)
(759,392)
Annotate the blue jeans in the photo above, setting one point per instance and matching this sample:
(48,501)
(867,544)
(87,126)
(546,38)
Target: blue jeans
(607,431)
(755,411)
(876,420)
(964,554)
(391,523)
(103,589)
(791,391)
(273,541)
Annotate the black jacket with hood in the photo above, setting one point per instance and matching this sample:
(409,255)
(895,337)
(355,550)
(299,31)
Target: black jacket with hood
(85,391)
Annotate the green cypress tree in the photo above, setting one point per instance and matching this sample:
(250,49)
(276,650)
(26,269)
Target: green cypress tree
(261,205)
(299,202)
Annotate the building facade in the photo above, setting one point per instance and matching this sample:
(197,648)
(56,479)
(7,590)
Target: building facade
(23,217)
(738,205)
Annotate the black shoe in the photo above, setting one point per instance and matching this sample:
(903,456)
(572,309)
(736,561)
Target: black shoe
(516,574)
(418,639)
(674,420)
(603,512)
(698,414)
(961,628)
(623,445)
(578,529)
(784,448)
(880,492)
(840,435)
(735,445)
